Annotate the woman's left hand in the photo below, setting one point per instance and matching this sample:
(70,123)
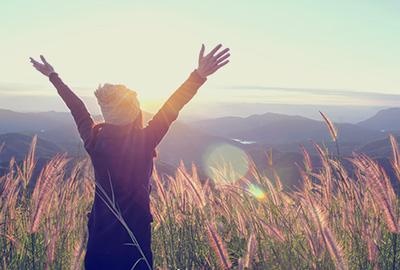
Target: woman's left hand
(212,61)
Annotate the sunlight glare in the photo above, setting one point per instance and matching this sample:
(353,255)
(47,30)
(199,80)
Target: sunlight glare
(257,192)
(225,163)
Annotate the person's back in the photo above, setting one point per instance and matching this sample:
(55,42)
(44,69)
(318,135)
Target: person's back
(122,153)
(123,162)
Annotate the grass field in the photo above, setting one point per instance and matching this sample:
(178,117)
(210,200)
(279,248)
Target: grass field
(337,220)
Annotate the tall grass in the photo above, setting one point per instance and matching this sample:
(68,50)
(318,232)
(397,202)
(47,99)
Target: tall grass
(336,220)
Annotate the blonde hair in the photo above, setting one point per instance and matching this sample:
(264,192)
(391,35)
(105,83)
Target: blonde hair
(119,105)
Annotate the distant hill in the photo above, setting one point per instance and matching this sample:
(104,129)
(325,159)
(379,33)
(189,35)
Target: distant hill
(277,129)
(231,126)
(379,148)
(56,127)
(18,145)
(386,120)
(338,113)
(11,121)
(298,130)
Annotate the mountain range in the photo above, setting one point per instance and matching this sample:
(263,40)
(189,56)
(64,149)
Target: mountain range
(190,141)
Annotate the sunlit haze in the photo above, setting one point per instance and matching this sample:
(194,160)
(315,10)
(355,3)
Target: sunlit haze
(280,49)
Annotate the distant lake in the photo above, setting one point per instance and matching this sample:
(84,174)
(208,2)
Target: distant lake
(244,142)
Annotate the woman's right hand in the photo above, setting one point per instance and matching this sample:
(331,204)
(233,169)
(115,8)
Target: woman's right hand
(44,67)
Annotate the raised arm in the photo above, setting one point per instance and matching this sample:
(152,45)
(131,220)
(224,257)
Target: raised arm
(78,110)
(159,125)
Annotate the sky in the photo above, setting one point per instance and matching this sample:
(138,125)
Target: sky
(283,52)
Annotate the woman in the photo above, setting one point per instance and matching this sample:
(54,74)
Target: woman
(122,153)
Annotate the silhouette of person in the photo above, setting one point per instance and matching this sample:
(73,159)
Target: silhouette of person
(122,152)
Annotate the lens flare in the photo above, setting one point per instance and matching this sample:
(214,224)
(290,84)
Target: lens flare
(257,192)
(225,163)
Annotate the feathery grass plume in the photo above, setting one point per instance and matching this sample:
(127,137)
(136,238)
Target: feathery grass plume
(388,187)
(270,160)
(379,190)
(49,176)
(277,180)
(70,202)
(273,192)
(332,131)
(348,216)
(289,232)
(395,150)
(334,249)
(345,184)
(323,153)
(218,246)
(307,183)
(372,249)
(194,186)
(10,191)
(331,127)
(29,162)
(307,159)
(78,253)
(396,156)
(251,250)
(325,176)
(240,265)
(311,238)
(320,219)
(273,231)
(50,236)
(7,180)
(13,240)
(159,187)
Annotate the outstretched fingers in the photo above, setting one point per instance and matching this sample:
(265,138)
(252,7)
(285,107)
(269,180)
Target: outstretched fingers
(223,57)
(45,68)
(221,53)
(43,60)
(201,54)
(36,64)
(213,51)
(33,61)
(218,66)
(213,61)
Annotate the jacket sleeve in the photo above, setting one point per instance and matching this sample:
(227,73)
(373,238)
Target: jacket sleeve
(78,110)
(160,123)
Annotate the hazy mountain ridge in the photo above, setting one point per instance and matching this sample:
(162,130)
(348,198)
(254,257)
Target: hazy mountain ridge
(232,126)
(11,121)
(189,142)
(387,119)
(379,148)
(278,129)
(17,145)
(269,129)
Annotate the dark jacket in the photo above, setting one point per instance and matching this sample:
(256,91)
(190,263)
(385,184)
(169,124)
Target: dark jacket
(122,157)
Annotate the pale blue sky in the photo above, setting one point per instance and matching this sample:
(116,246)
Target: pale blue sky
(151,46)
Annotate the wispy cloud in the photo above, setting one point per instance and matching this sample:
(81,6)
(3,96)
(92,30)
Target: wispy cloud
(319,91)
(352,96)
(26,89)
